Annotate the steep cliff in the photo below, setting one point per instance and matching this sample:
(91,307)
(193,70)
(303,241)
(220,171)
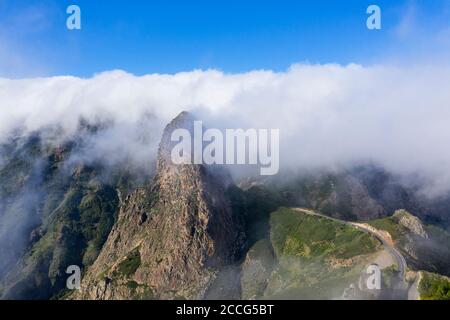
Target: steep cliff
(425,247)
(171,238)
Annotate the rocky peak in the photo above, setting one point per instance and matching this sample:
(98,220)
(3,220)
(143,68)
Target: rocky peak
(182,229)
(184,120)
(165,166)
(411,223)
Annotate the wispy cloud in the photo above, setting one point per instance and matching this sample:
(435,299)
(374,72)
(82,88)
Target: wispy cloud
(407,25)
(17,58)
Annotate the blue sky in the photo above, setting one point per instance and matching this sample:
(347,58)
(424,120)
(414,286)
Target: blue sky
(234,36)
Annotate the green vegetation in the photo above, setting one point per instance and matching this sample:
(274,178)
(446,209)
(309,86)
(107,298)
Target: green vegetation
(69,212)
(316,257)
(131,263)
(297,234)
(388,276)
(95,224)
(431,252)
(390,225)
(132,285)
(434,287)
(139,291)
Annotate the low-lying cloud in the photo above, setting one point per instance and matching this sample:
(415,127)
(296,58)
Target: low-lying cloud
(328,115)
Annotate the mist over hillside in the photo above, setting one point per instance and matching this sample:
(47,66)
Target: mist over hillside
(328,115)
(356,143)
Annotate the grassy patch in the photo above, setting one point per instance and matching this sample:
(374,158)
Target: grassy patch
(131,263)
(132,285)
(434,287)
(390,225)
(316,255)
(297,234)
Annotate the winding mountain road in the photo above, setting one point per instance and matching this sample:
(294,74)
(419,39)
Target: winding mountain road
(387,243)
(398,257)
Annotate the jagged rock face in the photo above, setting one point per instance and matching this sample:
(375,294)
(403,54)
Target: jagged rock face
(424,247)
(172,237)
(411,223)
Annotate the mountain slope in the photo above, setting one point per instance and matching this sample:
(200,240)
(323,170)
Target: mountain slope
(434,287)
(306,257)
(424,247)
(54,212)
(185,233)
(170,239)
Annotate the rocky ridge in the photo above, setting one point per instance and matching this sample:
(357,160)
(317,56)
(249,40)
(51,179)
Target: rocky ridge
(171,238)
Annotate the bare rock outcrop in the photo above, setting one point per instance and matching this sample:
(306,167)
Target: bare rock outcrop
(172,237)
(410,222)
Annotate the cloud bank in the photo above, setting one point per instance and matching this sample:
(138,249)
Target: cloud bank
(328,115)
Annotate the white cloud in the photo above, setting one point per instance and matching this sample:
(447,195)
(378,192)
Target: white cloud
(328,115)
